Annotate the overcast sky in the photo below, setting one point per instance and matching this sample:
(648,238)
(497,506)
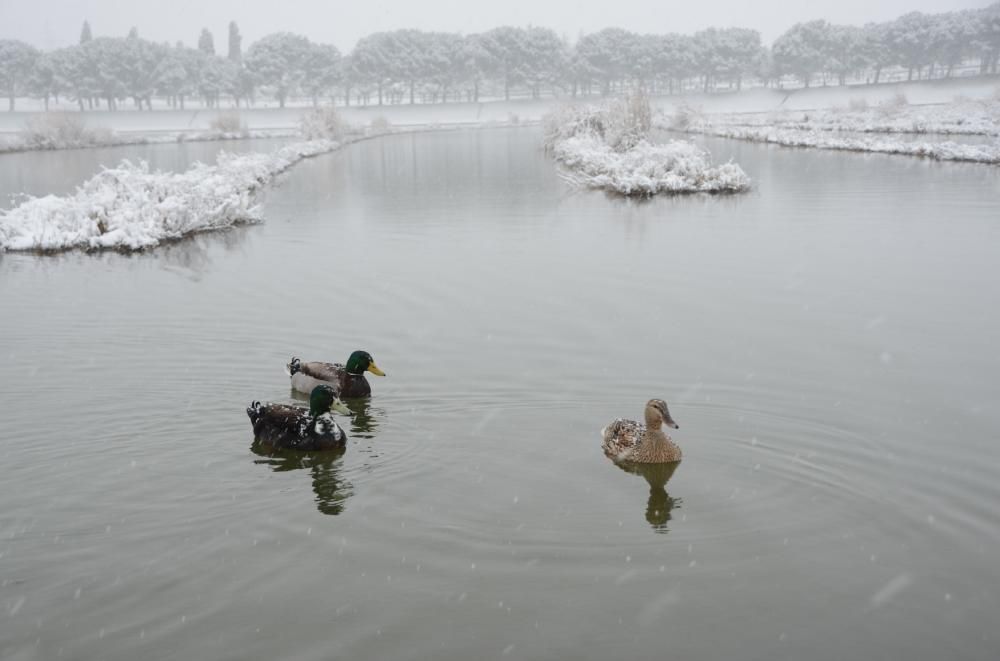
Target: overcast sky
(54,23)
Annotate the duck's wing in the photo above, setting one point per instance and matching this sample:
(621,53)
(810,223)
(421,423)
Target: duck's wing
(278,422)
(322,371)
(621,437)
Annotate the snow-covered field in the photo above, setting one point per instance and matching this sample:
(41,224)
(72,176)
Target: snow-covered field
(270,119)
(606,147)
(130,208)
(887,128)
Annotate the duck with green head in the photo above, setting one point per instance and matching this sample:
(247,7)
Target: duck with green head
(295,428)
(348,379)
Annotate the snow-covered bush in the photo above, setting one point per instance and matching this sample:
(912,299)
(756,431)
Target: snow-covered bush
(684,116)
(380,125)
(608,147)
(322,123)
(857,104)
(893,105)
(630,121)
(130,208)
(61,130)
(228,122)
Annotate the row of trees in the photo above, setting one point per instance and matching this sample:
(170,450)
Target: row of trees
(924,45)
(393,67)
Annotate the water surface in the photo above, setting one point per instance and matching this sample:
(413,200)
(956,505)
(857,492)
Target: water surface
(826,343)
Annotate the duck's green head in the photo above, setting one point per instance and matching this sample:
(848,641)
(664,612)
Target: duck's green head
(324,399)
(361,362)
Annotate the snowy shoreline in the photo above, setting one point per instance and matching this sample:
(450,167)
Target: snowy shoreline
(129,208)
(871,130)
(18,144)
(606,147)
(940,151)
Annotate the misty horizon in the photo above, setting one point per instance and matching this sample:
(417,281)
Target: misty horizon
(54,23)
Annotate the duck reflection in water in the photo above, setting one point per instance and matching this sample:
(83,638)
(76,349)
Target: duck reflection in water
(660,503)
(331,489)
(365,419)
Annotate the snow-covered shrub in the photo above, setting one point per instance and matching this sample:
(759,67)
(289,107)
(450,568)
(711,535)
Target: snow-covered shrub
(646,169)
(380,125)
(893,105)
(608,147)
(627,121)
(621,123)
(130,208)
(684,116)
(857,104)
(61,130)
(228,122)
(322,123)
(513,118)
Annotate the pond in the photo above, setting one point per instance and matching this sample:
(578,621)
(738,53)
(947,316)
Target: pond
(826,344)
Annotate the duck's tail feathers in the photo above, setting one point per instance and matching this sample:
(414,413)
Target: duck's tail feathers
(293,366)
(254,411)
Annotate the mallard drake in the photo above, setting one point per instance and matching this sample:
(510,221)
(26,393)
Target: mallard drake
(349,379)
(628,440)
(295,428)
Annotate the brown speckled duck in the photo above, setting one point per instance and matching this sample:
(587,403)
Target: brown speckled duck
(628,440)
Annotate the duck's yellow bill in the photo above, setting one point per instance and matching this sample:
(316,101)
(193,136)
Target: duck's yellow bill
(373,368)
(340,407)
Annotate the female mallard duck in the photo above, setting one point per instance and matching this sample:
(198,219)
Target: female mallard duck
(349,379)
(628,440)
(294,428)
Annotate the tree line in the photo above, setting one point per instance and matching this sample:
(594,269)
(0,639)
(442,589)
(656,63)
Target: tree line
(402,65)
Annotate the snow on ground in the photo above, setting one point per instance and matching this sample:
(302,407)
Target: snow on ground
(835,96)
(269,119)
(18,143)
(962,117)
(606,147)
(887,128)
(943,151)
(130,208)
(750,99)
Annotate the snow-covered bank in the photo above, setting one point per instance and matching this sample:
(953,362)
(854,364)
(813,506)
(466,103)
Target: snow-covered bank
(130,208)
(942,151)
(606,147)
(961,117)
(19,143)
(835,96)
(263,119)
(864,129)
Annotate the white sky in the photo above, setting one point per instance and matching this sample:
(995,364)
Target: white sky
(54,23)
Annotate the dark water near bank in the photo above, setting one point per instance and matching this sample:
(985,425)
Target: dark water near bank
(827,344)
